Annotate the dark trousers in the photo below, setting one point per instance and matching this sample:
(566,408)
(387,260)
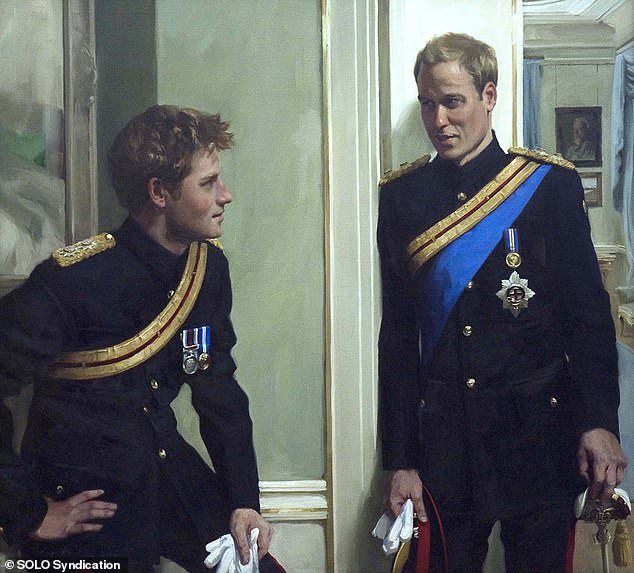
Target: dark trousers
(267,565)
(182,540)
(181,544)
(535,543)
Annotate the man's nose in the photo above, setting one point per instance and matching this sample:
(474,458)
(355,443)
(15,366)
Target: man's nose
(224,195)
(440,117)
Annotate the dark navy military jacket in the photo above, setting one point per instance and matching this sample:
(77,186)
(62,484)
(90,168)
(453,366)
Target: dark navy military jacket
(119,433)
(495,425)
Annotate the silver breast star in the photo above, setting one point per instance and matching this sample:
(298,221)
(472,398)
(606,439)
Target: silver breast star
(515,293)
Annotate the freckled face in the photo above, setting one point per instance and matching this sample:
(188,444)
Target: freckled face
(196,210)
(456,117)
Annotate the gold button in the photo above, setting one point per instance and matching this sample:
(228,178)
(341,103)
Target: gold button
(1,530)
(146,409)
(59,489)
(467,330)
(553,402)
(471,382)
(162,454)
(422,403)
(470,285)
(154,384)
(461,196)
(170,294)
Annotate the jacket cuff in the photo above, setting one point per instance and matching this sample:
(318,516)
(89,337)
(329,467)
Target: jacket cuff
(24,519)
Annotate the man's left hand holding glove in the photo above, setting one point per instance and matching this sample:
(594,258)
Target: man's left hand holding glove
(248,542)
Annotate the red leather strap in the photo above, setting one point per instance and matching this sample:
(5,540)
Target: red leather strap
(423,547)
(423,552)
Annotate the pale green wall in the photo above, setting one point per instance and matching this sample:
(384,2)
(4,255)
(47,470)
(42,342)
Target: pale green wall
(126,86)
(258,63)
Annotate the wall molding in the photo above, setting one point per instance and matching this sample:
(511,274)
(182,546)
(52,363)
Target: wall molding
(571,61)
(553,10)
(300,500)
(80,80)
(353,158)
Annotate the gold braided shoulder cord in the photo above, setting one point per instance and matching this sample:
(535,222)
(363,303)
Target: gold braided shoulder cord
(99,363)
(467,216)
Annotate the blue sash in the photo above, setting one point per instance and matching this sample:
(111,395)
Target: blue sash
(448,272)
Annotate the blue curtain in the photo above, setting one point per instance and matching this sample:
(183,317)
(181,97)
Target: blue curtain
(532,95)
(622,175)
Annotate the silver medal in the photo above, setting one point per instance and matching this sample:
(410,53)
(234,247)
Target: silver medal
(190,359)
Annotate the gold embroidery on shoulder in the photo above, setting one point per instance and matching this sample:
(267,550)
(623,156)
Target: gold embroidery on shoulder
(85,249)
(542,156)
(404,169)
(216,243)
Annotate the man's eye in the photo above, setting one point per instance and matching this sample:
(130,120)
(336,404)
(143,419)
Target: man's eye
(453,102)
(427,104)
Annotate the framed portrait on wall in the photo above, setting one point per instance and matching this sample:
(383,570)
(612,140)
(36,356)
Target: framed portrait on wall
(591,182)
(578,132)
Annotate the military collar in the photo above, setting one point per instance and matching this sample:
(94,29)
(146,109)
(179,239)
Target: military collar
(484,166)
(475,174)
(162,263)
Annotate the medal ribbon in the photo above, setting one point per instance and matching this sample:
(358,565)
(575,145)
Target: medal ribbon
(196,338)
(443,279)
(511,239)
(205,337)
(195,347)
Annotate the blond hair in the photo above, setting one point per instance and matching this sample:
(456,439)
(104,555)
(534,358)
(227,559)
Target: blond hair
(477,58)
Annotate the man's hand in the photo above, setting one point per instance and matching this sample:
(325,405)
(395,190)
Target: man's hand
(401,486)
(242,521)
(73,515)
(602,462)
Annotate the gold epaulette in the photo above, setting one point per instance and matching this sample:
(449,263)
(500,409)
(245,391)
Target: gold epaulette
(216,243)
(542,156)
(85,249)
(404,169)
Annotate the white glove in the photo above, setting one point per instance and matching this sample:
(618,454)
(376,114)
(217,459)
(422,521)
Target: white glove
(395,531)
(223,552)
(217,548)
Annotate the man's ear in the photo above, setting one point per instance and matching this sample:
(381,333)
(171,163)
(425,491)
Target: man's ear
(490,95)
(156,192)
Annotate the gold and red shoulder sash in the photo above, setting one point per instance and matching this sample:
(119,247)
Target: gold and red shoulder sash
(102,362)
(491,196)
